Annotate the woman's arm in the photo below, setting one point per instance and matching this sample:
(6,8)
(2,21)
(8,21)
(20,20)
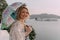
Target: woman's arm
(28,30)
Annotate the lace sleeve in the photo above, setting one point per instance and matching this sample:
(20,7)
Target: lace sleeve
(16,31)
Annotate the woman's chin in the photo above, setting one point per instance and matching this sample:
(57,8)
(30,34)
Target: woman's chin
(26,18)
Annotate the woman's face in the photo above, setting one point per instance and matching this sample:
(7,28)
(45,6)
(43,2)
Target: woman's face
(24,14)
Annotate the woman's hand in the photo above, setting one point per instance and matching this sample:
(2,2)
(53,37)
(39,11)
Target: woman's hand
(28,30)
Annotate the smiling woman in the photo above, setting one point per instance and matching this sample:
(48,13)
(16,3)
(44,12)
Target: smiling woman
(18,30)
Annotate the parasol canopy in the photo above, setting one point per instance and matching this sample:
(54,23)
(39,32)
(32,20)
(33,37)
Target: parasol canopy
(9,14)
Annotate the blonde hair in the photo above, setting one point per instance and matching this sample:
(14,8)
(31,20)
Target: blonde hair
(18,11)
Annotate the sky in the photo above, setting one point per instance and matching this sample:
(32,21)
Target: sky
(40,6)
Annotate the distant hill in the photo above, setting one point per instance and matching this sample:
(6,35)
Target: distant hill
(44,16)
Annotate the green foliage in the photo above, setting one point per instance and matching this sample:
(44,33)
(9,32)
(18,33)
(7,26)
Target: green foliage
(3,5)
(32,35)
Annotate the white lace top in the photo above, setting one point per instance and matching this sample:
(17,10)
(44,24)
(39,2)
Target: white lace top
(17,31)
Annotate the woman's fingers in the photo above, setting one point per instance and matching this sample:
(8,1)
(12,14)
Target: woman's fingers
(29,28)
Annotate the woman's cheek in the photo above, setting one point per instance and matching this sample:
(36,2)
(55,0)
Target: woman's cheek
(20,16)
(27,17)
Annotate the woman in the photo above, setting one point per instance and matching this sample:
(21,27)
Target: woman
(19,30)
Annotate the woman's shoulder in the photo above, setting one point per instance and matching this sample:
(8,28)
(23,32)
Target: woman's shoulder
(16,22)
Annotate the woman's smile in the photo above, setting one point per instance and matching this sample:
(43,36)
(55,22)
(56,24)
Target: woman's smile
(24,14)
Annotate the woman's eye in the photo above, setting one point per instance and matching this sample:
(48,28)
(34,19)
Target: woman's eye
(27,12)
(23,12)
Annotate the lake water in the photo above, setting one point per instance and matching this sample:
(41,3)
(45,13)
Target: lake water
(44,30)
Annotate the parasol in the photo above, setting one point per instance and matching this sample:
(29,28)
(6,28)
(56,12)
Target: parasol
(9,14)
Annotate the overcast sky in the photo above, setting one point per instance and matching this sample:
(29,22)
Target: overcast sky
(40,6)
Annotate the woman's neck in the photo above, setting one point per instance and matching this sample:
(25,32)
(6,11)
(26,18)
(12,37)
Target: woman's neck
(22,21)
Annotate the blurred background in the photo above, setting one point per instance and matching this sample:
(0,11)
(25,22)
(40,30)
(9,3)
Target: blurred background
(44,18)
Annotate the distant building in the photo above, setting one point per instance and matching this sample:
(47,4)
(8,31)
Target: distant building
(46,19)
